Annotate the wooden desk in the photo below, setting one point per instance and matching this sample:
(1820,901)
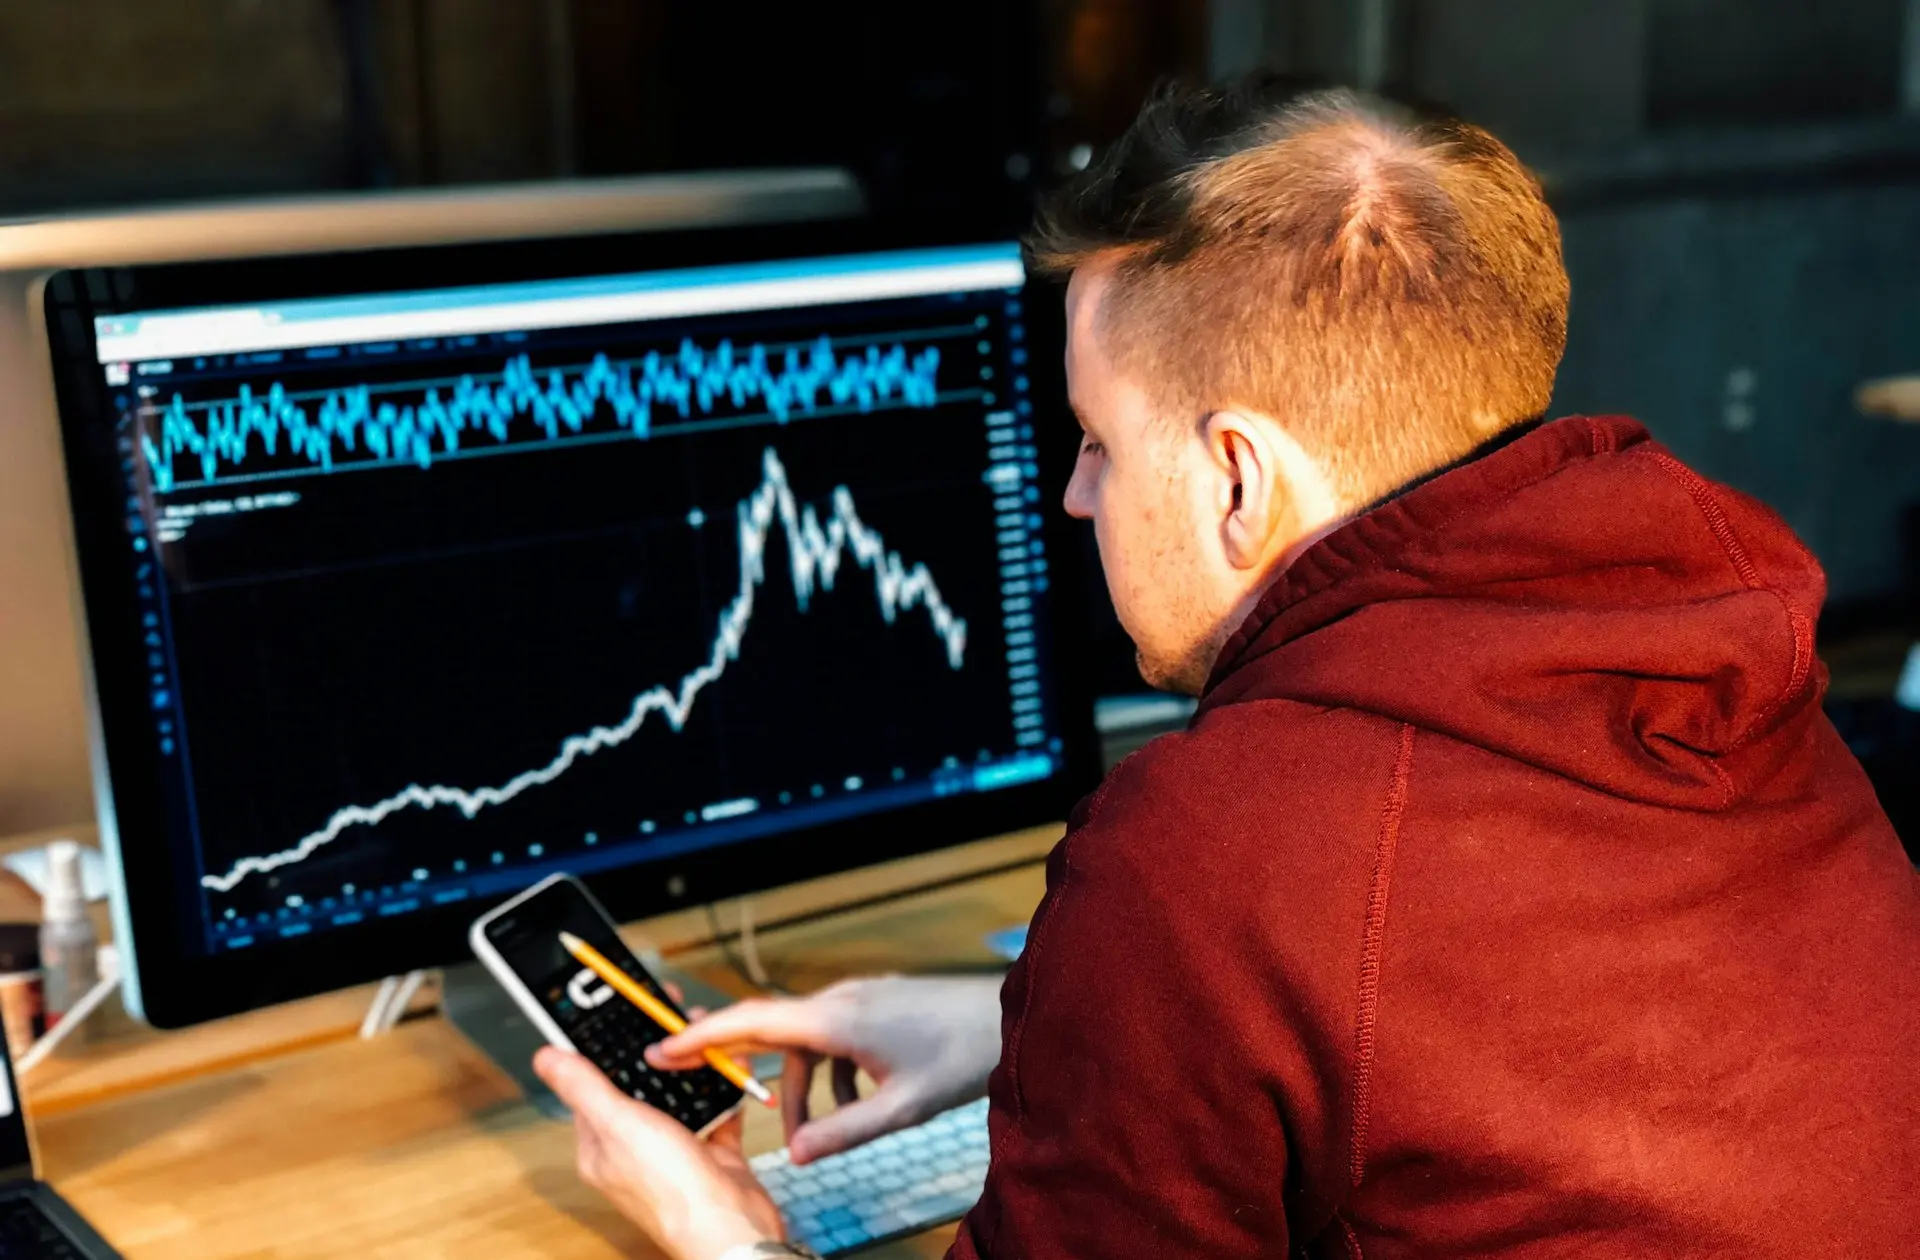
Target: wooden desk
(413,1144)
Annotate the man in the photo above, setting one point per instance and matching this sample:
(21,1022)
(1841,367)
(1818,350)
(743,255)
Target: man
(1509,894)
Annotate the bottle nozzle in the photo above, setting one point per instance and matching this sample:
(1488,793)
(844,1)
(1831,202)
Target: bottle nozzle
(66,895)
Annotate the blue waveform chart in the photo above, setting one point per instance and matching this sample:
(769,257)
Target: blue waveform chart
(824,547)
(286,432)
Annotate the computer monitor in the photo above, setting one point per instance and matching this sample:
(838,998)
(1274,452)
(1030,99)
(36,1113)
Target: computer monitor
(693,563)
(44,765)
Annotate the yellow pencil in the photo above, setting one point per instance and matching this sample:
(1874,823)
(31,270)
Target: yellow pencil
(662,1014)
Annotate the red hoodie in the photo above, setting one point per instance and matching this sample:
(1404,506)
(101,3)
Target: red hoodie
(1509,896)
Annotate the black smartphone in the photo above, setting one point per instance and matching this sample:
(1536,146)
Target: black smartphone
(575,1009)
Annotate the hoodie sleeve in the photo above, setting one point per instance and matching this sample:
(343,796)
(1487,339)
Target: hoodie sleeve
(1164,1087)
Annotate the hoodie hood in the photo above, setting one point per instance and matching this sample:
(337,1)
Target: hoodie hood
(1577,600)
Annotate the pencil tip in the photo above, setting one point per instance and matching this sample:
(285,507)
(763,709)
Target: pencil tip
(569,940)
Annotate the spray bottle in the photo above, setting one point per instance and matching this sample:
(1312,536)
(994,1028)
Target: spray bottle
(69,947)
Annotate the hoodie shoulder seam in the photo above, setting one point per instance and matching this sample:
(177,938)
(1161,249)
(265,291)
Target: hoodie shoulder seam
(1373,941)
(1800,626)
(1716,517)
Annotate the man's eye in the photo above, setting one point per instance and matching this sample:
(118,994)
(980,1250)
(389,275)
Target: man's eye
(1090,447)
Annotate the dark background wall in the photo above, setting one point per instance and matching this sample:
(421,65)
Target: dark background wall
(940,105)
(1738,325)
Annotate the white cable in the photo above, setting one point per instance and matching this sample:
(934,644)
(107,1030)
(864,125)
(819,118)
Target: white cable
(371,1026)
(750,946)
(397,1007)
(92,998)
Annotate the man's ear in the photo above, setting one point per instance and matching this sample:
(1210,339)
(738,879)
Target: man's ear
(1252,501)
(1272,493)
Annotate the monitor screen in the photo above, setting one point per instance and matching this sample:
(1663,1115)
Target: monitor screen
(431,592)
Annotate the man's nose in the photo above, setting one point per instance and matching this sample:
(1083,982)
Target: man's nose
(1078,501)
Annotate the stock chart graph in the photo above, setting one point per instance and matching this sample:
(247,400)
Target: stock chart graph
(440,614)
(814,557)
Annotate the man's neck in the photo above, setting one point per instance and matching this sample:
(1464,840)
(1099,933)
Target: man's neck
(1506,437)
(1251,600)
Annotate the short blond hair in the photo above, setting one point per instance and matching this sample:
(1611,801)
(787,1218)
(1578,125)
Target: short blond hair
(1390,288)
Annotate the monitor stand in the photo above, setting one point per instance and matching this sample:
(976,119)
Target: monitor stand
(475,1004)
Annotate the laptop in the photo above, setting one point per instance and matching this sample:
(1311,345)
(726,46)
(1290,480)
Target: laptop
(35,1223)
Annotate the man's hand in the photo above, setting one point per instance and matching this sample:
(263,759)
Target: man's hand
(696,1199)
(928,1044)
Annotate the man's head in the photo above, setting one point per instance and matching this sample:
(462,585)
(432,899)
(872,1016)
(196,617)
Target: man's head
(1283,309)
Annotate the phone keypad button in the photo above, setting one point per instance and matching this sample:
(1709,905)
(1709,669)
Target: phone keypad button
(615,1038)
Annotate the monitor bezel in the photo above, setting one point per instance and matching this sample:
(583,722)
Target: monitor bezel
(170,986)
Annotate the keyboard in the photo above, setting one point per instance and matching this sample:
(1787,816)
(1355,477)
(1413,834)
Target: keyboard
(27,1233)
(899,1184)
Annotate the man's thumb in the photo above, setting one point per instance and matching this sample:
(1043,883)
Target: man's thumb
(580,1085)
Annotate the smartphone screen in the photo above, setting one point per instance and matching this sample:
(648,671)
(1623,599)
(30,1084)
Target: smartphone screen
(609,1030)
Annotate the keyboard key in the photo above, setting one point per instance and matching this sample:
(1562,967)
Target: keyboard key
(889,1223)
(950,1205)
(839,1218)
(27,1232)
